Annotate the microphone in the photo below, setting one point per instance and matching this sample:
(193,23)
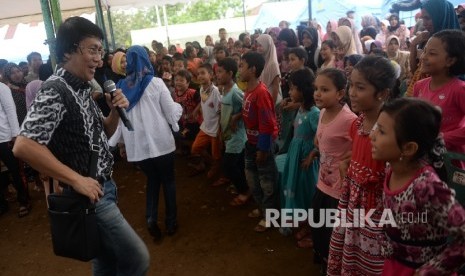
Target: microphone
(110,87)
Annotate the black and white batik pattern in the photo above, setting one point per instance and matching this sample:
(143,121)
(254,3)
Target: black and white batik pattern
(63,117)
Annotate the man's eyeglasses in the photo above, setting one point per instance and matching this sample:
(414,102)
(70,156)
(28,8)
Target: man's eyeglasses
(93,51)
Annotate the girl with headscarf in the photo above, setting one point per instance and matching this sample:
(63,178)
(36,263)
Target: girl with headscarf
(310,40)
(320,29)
(270,75)
(274,33)
(369,26)
(399,30)
(208,41)
(401,57)
(381,36)
(437,15)
(208,55)
(345,21)
(31,90)
(154,116)
(345,44)
(370,45)
(330,27)
(17,83)
(118,66)
(288,38)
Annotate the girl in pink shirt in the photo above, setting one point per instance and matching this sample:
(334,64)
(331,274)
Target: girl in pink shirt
(444,59)
(333,142)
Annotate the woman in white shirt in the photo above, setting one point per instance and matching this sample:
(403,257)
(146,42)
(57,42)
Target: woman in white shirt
(9,129)
(154,115)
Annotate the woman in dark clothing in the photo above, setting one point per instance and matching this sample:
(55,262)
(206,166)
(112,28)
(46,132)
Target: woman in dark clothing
(311,41)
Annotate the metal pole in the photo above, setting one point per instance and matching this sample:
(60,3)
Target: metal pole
(244,14)
(158,16)
(310,17)
(165,18)
(100,22)
(110,25)
(56,13)
(50,31)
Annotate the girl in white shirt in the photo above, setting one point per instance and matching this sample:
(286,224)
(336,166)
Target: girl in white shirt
(154,115)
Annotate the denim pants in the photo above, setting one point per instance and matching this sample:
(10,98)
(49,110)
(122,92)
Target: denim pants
(124,252)
(262,179)
(160,172)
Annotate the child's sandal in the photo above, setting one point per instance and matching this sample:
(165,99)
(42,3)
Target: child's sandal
(24,211)
(261,226)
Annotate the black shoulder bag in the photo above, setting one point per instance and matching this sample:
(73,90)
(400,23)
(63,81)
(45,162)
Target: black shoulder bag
(73,219)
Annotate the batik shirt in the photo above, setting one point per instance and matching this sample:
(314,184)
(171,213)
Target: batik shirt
(64,117)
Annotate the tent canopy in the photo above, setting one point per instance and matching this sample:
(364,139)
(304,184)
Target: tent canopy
(322,10)
(13,12)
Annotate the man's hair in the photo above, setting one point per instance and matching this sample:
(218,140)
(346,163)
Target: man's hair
(254,59)
(22,63)
(72,32)
(221,29)
(229,65)
(31,55)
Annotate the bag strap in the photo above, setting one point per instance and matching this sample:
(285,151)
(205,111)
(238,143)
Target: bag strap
(95,149)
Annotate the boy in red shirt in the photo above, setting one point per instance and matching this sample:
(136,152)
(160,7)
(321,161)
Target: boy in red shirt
(261,128)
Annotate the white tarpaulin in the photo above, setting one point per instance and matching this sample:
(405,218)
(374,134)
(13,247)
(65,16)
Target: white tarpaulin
(22,30)
(24,11)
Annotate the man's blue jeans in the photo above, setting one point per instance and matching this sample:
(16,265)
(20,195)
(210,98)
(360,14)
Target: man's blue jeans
(262,179)
(124,252)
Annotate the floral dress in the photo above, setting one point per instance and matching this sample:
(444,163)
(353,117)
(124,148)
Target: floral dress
(357,250)
(426,214)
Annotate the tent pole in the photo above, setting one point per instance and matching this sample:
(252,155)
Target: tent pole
(165,20)
(244,14)
(110,25)
(310,17)
(158,16)
(56,13)
(100,22)
(50,31)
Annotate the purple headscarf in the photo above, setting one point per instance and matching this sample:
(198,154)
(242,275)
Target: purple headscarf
(31,90)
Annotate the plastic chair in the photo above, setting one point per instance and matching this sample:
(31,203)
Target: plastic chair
(455,175)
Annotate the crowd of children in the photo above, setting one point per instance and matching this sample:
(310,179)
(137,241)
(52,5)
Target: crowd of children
(321,126)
